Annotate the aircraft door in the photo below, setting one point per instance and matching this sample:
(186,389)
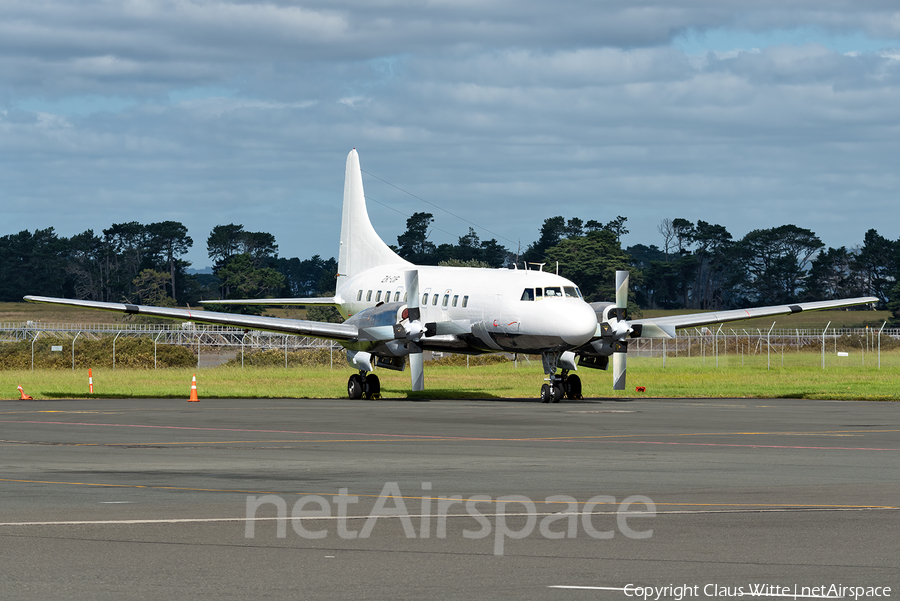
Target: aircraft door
(425,301)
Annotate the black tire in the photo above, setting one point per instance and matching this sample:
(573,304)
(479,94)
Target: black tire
(546,394)
(573,388)
(355,387)
(373,387)
(558,392)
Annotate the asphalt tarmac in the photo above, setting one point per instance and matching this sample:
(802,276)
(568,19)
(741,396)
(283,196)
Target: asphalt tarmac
(700,499)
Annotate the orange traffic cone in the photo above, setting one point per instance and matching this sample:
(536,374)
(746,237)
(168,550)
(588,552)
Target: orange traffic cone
(194,398)
(25,397)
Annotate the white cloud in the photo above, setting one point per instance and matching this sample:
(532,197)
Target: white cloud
(506,112)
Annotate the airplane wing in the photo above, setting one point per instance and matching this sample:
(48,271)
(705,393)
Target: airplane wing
(325,300)
(316,329)
(664,327)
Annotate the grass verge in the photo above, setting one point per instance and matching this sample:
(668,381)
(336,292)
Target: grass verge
(856,377)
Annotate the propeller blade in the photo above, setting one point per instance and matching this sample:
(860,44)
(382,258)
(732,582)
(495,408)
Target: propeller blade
(620,359)
(620,348)
(412,290)
(417,369)
(621,293)
(416,360)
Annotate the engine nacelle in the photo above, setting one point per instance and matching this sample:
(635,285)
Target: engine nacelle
(360,360)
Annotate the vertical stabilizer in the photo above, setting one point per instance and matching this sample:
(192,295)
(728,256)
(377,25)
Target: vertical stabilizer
(361,247)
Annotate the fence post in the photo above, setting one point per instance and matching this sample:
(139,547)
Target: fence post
(823,344)
(73,349)
(32,349)
(114,349)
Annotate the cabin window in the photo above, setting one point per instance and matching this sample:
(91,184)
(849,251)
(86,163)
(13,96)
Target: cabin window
(425,299)
(465,301)
(528,294)
(397,296)
(455,298)
(446,300)
(434,300)
(552,291)
(404,297)
(570,292)
(378,296)
(369,296)
(359,295)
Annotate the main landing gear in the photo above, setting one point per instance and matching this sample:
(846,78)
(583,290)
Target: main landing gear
(560,384)
(364,386)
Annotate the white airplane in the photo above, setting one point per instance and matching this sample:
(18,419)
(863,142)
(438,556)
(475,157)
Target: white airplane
(394,310)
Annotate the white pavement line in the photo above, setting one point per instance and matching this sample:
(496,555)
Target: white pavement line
(588,588)
(623,589)
(434,515)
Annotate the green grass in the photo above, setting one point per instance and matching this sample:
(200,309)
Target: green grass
(851,378)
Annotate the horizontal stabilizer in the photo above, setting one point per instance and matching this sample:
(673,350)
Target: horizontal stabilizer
(325,300)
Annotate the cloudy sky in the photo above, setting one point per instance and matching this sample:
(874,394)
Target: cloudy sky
(751,114)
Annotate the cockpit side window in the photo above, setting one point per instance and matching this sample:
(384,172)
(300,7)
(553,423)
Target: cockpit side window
(570,291)
(538,294)
(528,294)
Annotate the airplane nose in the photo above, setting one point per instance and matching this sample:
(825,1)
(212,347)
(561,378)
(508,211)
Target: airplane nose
(578,324)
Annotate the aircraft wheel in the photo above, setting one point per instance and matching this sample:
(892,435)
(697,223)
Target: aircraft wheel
(546,393)
(355,387)
(373,387)
(558,392)
(573,388)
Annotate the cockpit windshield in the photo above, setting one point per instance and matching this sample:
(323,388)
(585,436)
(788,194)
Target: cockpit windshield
(530,294)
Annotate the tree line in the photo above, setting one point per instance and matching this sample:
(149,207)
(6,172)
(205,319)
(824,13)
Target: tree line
(143,264)
(698,266)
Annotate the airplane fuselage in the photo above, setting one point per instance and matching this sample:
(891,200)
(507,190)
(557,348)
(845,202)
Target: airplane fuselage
(506,310)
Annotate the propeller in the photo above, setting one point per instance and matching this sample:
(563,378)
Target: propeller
(620,331)
(413,331)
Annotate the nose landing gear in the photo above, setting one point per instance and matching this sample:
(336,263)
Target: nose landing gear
(560,384)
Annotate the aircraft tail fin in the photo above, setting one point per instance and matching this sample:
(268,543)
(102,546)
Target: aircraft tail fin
(361,247)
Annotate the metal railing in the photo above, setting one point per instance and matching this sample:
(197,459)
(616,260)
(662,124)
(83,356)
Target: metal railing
(187,334)
(703,342)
